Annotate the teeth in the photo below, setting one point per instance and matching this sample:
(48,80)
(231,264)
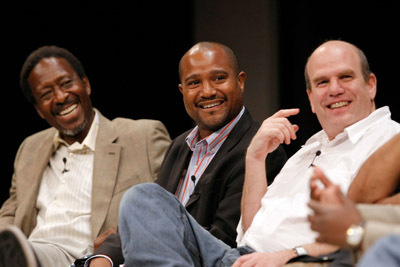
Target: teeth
(68,110)
(339,104)
(212,105)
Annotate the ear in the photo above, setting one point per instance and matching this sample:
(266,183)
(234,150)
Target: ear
(372,82)
(86,83)
(38,111)
(180,88)
(241,78)
(309,94)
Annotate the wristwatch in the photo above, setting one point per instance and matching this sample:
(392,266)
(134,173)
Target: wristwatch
(354,238)
(355,235)
(300,251)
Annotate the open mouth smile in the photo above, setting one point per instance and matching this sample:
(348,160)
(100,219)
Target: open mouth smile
(210,104)
(67,110)
(339,104)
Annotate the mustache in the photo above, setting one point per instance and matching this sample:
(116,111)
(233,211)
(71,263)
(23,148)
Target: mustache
(205,99)
(61,106)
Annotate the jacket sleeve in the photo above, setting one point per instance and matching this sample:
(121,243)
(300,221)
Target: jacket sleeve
(158,141)
(9,207)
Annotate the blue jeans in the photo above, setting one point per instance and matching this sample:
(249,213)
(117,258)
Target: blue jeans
(156,230)
(384,252)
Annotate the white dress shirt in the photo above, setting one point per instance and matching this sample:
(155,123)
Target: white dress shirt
(281,223)
(64,199)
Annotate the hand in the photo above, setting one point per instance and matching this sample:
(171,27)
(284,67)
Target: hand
(266,259)
(329,193)
(100,239)
(333,211)
(274,131)
(99,262)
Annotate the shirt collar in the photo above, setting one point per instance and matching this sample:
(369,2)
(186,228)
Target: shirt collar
(355,131)
(193,138)
(88,142)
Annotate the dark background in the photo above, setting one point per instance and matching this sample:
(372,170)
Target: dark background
(131,57)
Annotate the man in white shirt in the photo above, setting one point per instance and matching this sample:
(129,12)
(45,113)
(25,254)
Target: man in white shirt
(273,228)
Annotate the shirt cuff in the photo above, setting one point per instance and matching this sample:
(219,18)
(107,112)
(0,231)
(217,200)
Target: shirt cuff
(239,230)
(87,262)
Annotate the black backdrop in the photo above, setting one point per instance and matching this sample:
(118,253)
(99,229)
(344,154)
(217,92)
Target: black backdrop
(131,56)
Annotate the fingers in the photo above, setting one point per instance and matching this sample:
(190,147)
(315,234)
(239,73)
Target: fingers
(319,175)
(315,183)
(280,127)
(274,131)
(315,206)
(286,112)
(292,128)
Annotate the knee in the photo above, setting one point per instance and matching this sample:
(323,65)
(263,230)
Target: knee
(137,192)
(140,194)
(388,242)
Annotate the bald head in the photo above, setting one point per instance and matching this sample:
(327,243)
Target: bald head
(338,46)
(203,47)
(339,91)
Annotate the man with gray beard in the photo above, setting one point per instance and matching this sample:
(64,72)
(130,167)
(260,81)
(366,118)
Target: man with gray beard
(69,179)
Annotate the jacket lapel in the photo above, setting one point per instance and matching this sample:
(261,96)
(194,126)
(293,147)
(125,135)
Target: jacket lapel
(106,162)
(233,139)
(179,168)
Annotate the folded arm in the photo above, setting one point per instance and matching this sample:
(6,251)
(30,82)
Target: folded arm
(379,176)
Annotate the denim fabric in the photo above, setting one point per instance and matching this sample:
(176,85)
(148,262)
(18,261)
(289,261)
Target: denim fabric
(156,230)
(384,252)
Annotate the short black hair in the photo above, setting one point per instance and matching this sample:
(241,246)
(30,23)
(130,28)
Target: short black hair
(233,61)
(46,52)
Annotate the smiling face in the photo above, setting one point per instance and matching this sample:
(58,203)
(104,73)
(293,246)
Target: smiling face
(339,95)
(62,98)
(211,87)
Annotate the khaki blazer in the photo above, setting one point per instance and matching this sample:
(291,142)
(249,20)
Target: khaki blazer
(127,152)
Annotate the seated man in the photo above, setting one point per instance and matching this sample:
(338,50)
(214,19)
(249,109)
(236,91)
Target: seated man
(68,180)
(273,228)
(204,167)
(340,222)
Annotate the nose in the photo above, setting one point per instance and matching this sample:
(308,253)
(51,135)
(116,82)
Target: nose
(208,90)
(60,95)
(335,88)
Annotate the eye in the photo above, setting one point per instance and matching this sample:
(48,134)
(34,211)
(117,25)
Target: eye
(65,84)
(192,83)
(220,78)
(321,83)
(346,77)
(46,95)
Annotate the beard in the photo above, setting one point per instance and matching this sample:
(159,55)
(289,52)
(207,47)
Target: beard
(215,122)
(77,130)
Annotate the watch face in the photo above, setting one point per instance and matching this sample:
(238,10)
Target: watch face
(354,235)
(300,251)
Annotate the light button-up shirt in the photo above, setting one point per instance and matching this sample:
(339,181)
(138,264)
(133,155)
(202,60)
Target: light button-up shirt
(64,199)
